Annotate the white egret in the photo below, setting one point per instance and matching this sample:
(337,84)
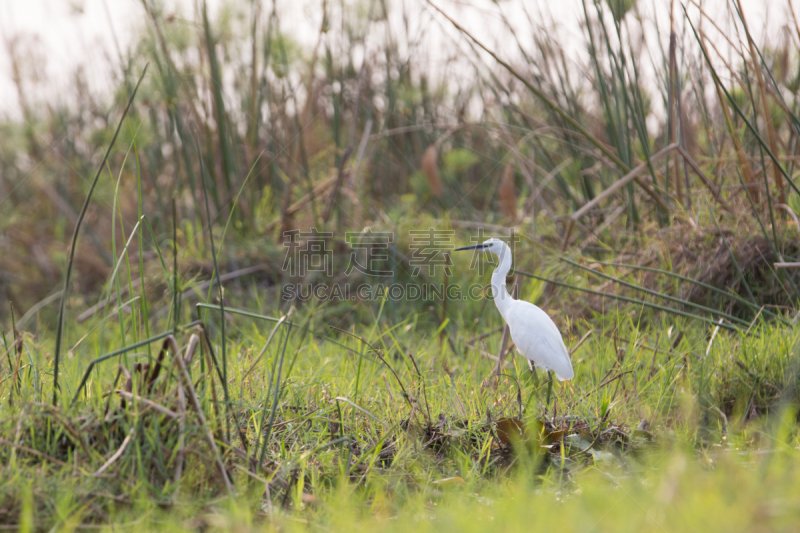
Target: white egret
(534,333)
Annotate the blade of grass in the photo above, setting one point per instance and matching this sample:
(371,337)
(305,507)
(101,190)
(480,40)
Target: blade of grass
(114,283)
(176,294)
(228,163)
(203,175)
(273,319)
(264,349)
(771,137)
(140,208)
(627,299)
(126,349)
(276,396)
(699,284)
(656,293)
(71,258)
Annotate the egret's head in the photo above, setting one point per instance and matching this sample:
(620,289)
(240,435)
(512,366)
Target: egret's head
(495,246)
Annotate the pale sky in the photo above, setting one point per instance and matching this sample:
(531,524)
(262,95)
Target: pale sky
(69,33)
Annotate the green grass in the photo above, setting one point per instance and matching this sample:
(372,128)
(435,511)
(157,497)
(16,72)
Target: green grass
(342,447)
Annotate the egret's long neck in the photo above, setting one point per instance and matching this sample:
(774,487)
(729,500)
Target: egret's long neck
(502,298)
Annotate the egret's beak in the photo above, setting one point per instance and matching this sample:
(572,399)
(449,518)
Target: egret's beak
(474,247)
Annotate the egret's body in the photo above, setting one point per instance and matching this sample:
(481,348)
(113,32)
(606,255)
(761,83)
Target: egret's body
(534,333)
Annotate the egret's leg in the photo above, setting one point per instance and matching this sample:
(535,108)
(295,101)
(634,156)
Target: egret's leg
(533,373)
(549,388)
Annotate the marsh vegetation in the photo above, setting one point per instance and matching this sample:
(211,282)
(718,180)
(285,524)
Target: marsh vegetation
(154,373)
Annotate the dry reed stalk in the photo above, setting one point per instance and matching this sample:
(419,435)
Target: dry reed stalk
(187,383)
(149,403)
(606,223)
(500,355)
(252,130)
(340,172)
(118,453)
(687,159)
(486,354)
(673,90)
(31,451)
(522,165)
(624,180)
(508,193)
(740,154)
(194,341)
(17,343)
(429,166)
(181,435)
(431,171)
(771,137)
(295,207)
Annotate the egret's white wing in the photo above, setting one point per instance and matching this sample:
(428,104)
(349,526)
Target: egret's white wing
(537,338)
